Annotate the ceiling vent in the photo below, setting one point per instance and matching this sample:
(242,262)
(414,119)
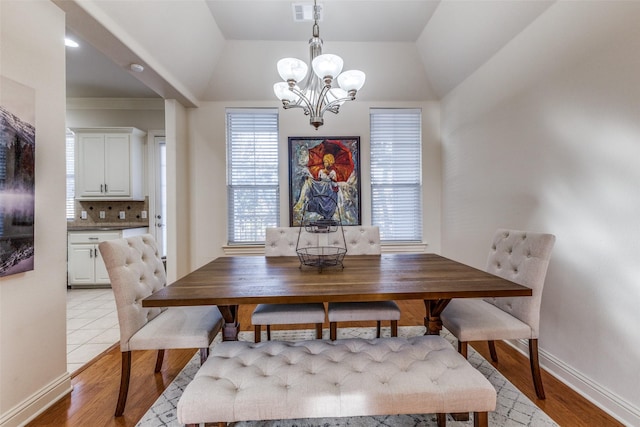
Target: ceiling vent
(303,12)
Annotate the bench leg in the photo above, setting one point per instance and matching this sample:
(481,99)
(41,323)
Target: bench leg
(333,331)
(257,332)
(492,350)
(394,328)
(319,331)
(378,331)
(204,354)
(480,419)
(442,420)
(268,332)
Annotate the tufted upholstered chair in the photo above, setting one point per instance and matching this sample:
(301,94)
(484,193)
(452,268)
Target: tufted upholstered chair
(523,258)
(136,271)
(282,241)
(362,240)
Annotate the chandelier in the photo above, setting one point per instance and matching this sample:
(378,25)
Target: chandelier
(317,95)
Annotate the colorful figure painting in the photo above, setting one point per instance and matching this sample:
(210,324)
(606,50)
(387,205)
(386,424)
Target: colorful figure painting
(17,177)
(324,179)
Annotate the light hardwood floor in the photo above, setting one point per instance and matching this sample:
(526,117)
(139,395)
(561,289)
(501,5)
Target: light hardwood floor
(95,388)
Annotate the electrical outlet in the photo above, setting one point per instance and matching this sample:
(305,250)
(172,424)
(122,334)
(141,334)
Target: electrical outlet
(83,215)
(122,215)
(102,215)
(143,214)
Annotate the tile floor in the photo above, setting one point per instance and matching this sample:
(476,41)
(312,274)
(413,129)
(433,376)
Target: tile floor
(92,325)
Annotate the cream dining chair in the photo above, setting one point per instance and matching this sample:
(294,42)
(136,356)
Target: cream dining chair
(523,258)
(136,271)
(362,240)
(282,241)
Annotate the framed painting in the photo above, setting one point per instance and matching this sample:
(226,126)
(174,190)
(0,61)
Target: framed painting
(324,180)
(17,177)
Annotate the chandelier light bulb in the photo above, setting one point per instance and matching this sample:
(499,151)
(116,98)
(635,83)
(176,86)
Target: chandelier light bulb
(351,80)
(283,92)
(327,65)
(292,69)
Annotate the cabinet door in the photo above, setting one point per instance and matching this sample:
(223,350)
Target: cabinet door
(117,165)
(102,276)
(81,264)
(90,166)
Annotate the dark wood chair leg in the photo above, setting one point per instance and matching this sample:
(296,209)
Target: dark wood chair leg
(159,360)
(462,348)
(268,332)
(257,332)
(125,375)
(480,419)
(492,350)
(319,331)
(378,329)
(204,354)
(333,331)
(535,368)
(442,420)
(394,328)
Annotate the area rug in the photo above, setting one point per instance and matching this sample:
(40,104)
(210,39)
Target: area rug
(513,408)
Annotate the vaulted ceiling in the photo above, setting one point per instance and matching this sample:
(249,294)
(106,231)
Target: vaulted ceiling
(220,50)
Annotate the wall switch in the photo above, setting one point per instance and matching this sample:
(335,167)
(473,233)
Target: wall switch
(102,215)
(83,214)
(121,216)
(143,214)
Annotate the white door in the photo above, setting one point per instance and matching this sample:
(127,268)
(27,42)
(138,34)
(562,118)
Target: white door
(157,224)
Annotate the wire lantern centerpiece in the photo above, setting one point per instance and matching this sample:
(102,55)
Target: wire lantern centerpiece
(318,94)
(327,255)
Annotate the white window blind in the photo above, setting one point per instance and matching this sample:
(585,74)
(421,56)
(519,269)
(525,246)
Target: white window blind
(396,174)
(252,174)
(70,156)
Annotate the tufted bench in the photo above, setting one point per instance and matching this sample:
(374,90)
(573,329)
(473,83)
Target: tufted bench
(242,381)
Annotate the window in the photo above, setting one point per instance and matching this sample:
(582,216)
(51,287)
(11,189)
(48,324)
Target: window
(396,174)
(70,150)
(252,174)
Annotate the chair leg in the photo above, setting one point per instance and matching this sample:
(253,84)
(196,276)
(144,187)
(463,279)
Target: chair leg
(268,332)
(394,328)
(333,331)
(492,350)
(204,354)
(125,375)
(462,348)
(442,420)
(159,360)
(319,331)
(257,332)
(480,419)
(535,368)
(378,329)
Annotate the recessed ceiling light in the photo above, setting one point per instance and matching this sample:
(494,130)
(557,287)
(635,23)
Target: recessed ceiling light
(136,68)
(70,43)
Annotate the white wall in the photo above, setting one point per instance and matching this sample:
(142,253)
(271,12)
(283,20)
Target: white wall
(33,370)
(546,137)
(207,166)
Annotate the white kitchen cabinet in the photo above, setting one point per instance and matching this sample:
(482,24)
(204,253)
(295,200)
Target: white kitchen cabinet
(85,266)
(109,163)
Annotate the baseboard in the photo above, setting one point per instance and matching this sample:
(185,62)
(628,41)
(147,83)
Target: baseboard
(37,403)
(603,398)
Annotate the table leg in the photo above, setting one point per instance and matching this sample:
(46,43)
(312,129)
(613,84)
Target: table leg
(432,320)
(231,325)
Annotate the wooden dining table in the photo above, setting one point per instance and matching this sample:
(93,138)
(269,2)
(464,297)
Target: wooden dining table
(231,281)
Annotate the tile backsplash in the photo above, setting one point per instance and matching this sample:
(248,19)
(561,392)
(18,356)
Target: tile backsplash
(133,211)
